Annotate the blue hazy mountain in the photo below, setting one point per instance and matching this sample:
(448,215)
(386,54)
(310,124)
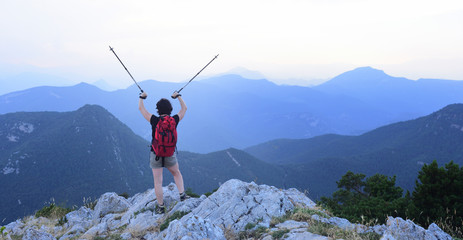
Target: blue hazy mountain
(397,149)
(226,111)
(67,156)
(84,153)
(398,96)
(232,111)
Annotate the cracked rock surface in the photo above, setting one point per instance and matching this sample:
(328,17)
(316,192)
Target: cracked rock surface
(237,203)
(236,207)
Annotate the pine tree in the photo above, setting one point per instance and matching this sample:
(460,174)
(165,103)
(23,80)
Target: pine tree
(374,198)
(438,194)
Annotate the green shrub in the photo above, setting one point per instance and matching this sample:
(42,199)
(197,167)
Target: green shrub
(142,211)
(190,193)
(124,195)
(2,231)
(52,211)
(254,234)
(249,226)
(62,221)
(280,233)
(276,220)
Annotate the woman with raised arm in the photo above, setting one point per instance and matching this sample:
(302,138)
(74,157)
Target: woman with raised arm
(160,155)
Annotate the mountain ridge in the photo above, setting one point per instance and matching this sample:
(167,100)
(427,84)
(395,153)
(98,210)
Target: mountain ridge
(83,153)
(238,106)
(397,149)
(232,109)
(63,155)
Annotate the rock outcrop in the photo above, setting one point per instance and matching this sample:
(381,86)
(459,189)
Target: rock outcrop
(236,209)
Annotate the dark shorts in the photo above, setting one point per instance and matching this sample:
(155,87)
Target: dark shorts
(168,161)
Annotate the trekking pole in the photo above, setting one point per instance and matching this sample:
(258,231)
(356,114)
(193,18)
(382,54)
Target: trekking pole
(197,74)
(111,49)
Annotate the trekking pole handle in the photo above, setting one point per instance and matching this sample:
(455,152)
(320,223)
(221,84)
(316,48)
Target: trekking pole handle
(175,95)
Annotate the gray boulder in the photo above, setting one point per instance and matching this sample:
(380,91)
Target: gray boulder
(398,229)
(193,227)
(33,234)
(146,201)
(237,203)
(97,230)
(143,222)
(187,205)
(15,228)
(110,203)
(291,224)
(345,224)
(298,231)
(341,223)
(83,217)
(304,235)
(75,230)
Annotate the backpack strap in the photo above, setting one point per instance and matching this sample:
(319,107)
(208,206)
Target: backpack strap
(162,159)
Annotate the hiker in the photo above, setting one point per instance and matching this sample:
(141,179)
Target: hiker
(157,163)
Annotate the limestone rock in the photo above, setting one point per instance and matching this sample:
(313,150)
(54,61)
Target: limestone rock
(227,211)
(291,224)
(110,203)
(143,222)
(33,234)
(345,224)
(96,230)
(302,235)
(15,228)
(193,227)
(237,203)
(126,236)
(83,217)
(187,205)
(341,223)
(398,229)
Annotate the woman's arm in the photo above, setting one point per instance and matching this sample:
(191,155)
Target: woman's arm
(183,108)
(141,107)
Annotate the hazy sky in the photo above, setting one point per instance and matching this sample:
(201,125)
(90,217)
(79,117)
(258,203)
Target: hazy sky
(282,39)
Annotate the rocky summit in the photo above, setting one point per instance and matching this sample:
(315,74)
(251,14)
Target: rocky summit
(237,210)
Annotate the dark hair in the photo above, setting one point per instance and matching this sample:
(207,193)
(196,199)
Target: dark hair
(164,107)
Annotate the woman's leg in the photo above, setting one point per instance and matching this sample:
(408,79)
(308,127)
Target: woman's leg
(178,178)
(157,175)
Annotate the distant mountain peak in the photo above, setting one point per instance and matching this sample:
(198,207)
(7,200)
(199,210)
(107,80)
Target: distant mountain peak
(246,73)
(360,79)
(365,72)
(367,68)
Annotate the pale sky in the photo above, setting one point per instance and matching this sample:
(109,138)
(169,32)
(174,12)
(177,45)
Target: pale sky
(282,39)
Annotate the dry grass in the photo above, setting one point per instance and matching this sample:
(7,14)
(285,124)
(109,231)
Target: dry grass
(449,227)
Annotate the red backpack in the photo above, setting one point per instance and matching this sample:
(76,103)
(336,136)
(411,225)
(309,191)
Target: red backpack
(165,137)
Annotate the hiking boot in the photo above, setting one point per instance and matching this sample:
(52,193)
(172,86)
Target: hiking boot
(183,196)
(160,209)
